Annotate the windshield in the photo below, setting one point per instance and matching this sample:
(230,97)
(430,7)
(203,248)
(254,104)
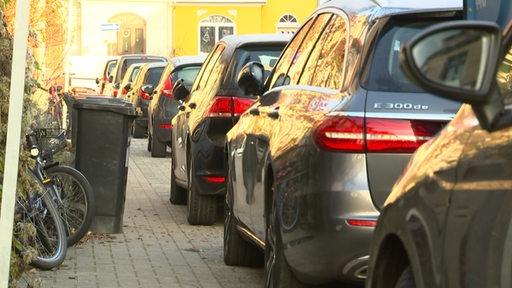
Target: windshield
(385,73)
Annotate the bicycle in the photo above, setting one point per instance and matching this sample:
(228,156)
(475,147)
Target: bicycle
(39,224)
(72,191)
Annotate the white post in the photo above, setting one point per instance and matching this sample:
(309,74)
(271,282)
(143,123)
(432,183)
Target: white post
(12,150)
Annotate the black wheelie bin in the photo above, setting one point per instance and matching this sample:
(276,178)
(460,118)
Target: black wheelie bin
(102,151)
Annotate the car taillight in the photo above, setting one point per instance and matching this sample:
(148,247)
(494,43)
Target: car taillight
(354,134)
(226,106)
(144,95)
(167,89)
(165,126)
(214,179)
(362,222)
(114,92)
(124,92)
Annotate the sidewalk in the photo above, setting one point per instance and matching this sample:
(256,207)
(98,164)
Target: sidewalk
(157,248)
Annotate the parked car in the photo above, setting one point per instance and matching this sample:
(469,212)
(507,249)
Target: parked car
(140,93)
(163,107)
(126,84)
(209,110)
(448,219)
(114,80)
(105,72)
(312,161)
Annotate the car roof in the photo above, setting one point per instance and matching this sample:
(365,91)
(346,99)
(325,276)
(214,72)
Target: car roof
(142,56)
(150,65)
(381,8)
(248,39)
(185,60)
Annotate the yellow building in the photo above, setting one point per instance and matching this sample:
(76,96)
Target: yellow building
(104,28)
(197,25)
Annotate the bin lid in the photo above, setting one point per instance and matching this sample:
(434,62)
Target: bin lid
(105,104)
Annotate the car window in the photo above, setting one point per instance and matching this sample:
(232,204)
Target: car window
(210,62)
(385,72)
(299,55)
(325,66)
(265,55)
(153,75)
(110,66)
(504,78)
(188,74)
(279,77)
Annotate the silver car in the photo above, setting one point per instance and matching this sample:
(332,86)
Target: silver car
(310,163)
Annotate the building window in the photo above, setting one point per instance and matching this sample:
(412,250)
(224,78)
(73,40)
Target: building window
(212,29)
(287,24)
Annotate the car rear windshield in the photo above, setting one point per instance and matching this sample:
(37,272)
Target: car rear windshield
(188,74)
(128,62)
(385,73)
(154,75)
(265,55)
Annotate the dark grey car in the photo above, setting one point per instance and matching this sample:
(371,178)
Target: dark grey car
(312,161)
(448,219)
(163,106)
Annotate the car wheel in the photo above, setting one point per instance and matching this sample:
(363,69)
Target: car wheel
(276,269)
(406,279)
(149,142)
(237,251)
(138,131)
(158,149)
(178,195)
(201,208)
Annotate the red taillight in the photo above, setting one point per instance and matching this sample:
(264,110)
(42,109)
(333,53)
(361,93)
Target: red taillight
(226,106)
(114,92)
(214,179)
(341,134)
(144,95)
(354,134)
(165,126)
(362,222)
(167,89)
(124,92)
(398,136)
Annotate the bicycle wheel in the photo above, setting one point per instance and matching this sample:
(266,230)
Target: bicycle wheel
(77,200)
(49,236)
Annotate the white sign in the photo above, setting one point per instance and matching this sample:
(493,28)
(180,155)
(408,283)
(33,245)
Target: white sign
(110,27)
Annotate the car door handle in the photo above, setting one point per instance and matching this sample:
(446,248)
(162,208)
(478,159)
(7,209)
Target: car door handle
(192,105)
(274,114)
(254,111)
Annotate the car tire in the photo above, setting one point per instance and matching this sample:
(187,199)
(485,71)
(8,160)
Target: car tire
(178,195)
(406,279)
(138,131)
(277,272)
(237,251)
(149,142)
(202,209)
(158,149)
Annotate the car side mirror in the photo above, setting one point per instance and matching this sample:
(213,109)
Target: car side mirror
(110,78)
(179,90)
(128,86)
(251,78)
(148,89)
(458,60)
(97,80)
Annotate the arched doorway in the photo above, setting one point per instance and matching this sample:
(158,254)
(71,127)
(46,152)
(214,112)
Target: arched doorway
(131,37)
